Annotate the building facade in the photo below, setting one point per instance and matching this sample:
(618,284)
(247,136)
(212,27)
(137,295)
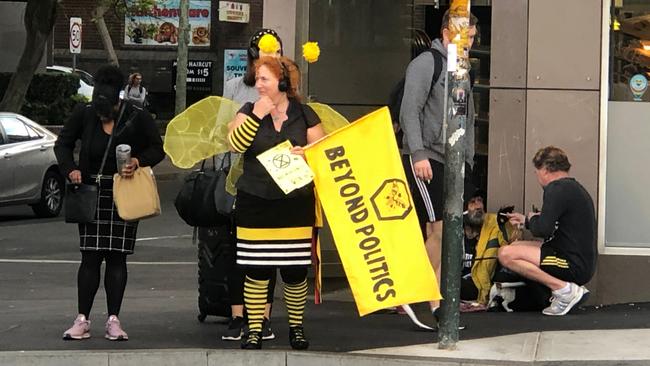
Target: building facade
(566,73)
(573,74)
(150,50)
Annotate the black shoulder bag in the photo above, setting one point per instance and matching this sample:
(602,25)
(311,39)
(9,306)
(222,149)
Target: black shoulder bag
(81,199)
(203,200)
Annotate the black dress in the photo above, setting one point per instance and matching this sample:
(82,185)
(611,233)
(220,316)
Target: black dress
(274,229)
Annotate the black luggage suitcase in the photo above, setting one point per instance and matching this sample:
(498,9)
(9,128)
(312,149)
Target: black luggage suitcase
(216,258)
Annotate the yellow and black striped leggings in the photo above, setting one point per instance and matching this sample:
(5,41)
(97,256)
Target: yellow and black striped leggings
(256,290)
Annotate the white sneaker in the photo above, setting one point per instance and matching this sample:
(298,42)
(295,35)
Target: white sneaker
(562,304)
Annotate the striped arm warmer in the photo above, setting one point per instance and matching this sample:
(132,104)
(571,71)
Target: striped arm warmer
(242,137)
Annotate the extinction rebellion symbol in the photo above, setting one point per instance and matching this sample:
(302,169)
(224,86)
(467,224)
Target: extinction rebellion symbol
(281,161)
(392,201)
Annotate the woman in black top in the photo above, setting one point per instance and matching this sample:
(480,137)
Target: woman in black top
(108,237)
(274,230)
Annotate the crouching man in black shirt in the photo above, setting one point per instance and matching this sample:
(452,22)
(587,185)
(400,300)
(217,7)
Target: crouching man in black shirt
(566,259)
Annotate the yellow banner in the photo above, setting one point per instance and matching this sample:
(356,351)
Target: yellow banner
(365,196)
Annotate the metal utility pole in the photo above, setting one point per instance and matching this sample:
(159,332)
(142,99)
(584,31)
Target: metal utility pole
(181,58)
(458,89)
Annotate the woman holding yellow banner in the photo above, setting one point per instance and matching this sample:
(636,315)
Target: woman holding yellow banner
(241,90)
(274,229)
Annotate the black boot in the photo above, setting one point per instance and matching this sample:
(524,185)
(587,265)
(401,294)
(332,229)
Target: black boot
(297,338)
(253,340)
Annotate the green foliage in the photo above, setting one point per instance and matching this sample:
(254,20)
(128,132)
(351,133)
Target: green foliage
(50,97)
(122,7)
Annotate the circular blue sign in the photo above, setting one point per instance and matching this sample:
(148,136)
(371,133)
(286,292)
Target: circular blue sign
(638,86)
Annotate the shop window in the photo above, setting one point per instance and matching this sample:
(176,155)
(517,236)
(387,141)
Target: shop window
(365,48)
(629,50)
(627,203)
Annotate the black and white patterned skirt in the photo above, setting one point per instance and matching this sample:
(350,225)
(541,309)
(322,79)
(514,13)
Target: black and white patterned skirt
(108,231)
(274,233)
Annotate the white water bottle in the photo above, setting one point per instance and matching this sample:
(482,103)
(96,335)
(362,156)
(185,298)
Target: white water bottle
(122,156)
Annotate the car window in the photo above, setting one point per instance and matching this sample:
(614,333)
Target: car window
(15,130)
(33,134)
(86,77)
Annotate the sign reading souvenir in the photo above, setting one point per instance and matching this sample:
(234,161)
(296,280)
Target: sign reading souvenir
(289,171)
(75,35)
(230,11)
(361,182)
(234,64)
(158,26)
(199,75)
(638,86)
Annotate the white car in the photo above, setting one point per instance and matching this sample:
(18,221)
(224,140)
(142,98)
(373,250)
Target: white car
(29,173)
(86,81)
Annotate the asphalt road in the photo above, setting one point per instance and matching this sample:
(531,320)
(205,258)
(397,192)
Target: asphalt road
(164,238)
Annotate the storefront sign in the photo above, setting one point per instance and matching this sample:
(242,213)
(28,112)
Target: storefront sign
(234,64)
(159,25)
(234,12)
(638,86)
(199,75)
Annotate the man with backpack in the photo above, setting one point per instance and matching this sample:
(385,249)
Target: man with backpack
(421,119)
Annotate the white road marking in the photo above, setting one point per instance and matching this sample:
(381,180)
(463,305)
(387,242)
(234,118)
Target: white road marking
(165,237)
(61,261)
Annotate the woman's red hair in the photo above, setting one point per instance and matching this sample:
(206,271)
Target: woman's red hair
(280,66)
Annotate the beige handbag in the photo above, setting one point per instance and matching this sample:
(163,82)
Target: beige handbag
(136,197)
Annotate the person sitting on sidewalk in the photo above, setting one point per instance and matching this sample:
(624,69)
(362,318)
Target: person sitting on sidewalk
(484,235)
(566,259)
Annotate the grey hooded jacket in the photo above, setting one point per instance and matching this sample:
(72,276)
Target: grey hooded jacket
(422,111)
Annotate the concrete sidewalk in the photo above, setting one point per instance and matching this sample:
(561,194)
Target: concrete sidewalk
(613,347)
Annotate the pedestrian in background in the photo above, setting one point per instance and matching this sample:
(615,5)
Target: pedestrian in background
(242,90)
(421,120)
(274,229)
(134,92)
(107,237)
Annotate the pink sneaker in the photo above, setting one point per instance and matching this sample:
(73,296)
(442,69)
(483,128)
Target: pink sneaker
(114,331)
(79,330)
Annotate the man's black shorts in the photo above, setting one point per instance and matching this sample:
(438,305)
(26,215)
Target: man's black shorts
(428,196)
(557,265)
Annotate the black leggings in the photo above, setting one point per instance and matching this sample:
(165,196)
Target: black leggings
(115,277)
(236,277)
(290,275)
